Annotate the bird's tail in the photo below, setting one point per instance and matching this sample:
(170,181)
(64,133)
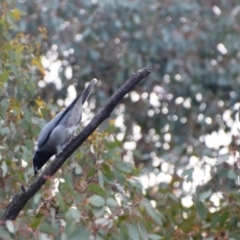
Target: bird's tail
(86,92)
(81,98)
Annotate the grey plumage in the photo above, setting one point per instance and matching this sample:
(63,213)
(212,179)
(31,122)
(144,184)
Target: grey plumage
(57,133)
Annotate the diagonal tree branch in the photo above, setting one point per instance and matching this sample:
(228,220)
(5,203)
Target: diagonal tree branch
(17,204)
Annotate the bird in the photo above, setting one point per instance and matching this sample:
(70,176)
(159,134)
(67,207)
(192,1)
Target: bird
(57,133)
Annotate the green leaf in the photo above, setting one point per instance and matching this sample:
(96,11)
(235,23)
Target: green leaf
(5,234)
(103,221)
(136,184)
(137,153)
(97,189)
(60,200)
(232,175)
(78,169)
(125,167)
(111,144)
(205,195)
(95,55)
(80,234)
(4,76)
(234,235)
(154,237)
(37,198)
(214,220)
(152,212)
(101,179)
(223,173)
(67,186)
(73,214)
(98,211)
(70,227)
(233,222)
(111,129)
(69,179)
(107,173)
(111,203)
(4,169)
(222,158)
(133,231)
(201,210)
(96,201)
(187,173)
(7,47)
(119,176)
(223,219)
(142,229)
(37,221)
(113,155)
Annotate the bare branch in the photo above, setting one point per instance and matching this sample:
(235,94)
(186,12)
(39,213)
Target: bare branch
(19,201)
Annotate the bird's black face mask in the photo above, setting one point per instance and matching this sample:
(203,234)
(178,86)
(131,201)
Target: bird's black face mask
(40,158)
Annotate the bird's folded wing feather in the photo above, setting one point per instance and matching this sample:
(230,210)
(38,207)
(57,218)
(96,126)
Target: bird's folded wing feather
(60,117)
(48,128)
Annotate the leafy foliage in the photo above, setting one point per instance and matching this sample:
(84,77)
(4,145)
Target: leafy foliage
(18,85)
(179,127)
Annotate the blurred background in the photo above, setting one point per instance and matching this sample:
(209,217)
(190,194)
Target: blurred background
(184,115)
(180,125)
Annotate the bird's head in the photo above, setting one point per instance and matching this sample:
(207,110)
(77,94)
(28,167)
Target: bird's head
(39,159)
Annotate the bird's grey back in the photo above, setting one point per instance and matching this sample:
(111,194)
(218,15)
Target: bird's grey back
(47,129)
(62,118)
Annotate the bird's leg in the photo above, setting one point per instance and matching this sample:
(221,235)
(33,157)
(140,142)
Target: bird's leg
(59,151)
(74,136)
(60,148)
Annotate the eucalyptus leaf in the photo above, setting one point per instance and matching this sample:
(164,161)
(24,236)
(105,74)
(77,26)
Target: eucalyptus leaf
(97,201)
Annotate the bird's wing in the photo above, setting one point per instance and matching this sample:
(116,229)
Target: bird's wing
(63,118)
(58,139)
(75,111)
(48,128)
